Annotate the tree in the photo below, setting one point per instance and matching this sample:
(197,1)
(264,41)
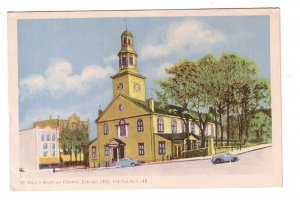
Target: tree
(176,90)
(74,141)
(228,88)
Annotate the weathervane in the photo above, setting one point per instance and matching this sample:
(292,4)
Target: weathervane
(125,20)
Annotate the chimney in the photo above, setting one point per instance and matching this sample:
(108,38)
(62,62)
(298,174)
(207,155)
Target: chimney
(99,112)
(151,104)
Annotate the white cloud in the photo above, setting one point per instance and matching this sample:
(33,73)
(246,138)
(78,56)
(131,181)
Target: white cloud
(160,73)
(59,79)
(111,59)
(32,84)
(184,38)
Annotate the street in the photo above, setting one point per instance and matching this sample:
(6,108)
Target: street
(253,162)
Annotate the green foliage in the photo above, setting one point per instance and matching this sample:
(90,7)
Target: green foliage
(73,141)
(227,90)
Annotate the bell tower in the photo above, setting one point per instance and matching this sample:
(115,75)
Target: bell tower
(128,81)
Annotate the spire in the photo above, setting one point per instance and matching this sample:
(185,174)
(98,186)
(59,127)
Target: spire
(127,54)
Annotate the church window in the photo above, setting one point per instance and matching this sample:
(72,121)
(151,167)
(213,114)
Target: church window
(141,149)
(122,128)
(124,60)
(131,60)
(124,41)
(129,41)
(161,147)
(193,127)
(94,152)
(106,151)
(105,129)
(183,127)
(160,124)
(174,126)
(140,125)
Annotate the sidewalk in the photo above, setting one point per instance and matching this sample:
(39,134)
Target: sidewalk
(236,152)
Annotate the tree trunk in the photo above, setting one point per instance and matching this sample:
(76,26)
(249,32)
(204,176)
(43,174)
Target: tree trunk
(228,123)
(221,125)
(216,127)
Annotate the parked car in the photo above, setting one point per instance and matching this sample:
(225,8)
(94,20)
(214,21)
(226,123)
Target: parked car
(224,158)
(127,162)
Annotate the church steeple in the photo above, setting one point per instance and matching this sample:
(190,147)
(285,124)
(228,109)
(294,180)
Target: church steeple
(127,54)
(128,81)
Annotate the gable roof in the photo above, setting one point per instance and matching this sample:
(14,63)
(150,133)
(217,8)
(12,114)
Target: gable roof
(92,141)
(128,98)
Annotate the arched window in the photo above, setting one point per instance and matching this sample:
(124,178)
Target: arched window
(193,127)
(130,60)
(124,59)
(122,126)
(183,127)
(140,125)
(160,124)
(125,40)
(129,41)
(174,126)
(105,129)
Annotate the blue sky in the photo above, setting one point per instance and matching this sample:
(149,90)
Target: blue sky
(65,64)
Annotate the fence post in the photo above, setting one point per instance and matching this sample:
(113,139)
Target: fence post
(211,148)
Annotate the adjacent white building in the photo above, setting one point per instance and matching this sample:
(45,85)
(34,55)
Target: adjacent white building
(39,148)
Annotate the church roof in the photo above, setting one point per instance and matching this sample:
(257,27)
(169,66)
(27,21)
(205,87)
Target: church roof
(180,136)
(127,33)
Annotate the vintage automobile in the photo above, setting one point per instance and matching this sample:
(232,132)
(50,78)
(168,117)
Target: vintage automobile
(127,162)
(224,158)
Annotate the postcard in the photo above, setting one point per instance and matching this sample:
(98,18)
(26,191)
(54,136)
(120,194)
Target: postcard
(144,99)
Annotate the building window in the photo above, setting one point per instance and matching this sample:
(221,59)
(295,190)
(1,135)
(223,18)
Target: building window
(48,137)
(94,152)
(160,124)
(53,153)
(174,126)
(131,60)
(45,146)
(129,41)
(106,151)
(45,153)
(105,129)
(65,124)
(183,127)
(43,137)
(74,126)
(125,41)
(53,137)
(161,147)
(140,125)
(122,129)
(141,149)
(124,60)
(52,146)
(193,127)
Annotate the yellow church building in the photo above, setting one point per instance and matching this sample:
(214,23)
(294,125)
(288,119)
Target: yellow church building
(135,127)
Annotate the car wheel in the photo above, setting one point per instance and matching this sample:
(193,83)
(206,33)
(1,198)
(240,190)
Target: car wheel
(218,161)
(133,164)
(234,159)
